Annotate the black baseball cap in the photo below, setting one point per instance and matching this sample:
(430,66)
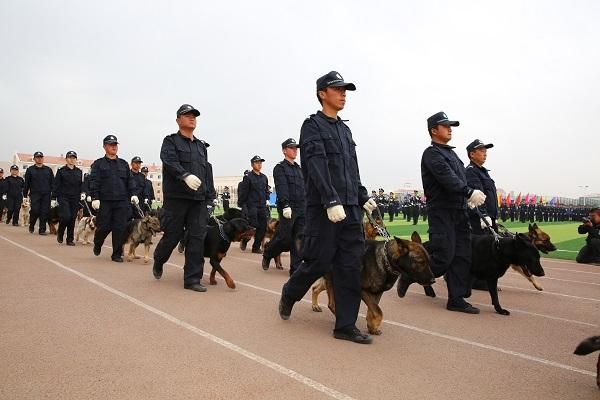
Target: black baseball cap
(14,167)
(440,119)
(136,159)
(333,79)
(289,143)
(257,158)
(1,171)
(478,144)
(71,153)
(144,169)
(38,154)
(110,139)
(186,108)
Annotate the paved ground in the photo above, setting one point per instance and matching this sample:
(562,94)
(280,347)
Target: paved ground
(75,326)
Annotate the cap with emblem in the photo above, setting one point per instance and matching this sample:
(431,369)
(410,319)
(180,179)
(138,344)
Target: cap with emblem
(70,154)
(333,79)
(38,154)
(440,119)
(289,143)
(478,144)
(186,109)
(144,169)
(136,159)
(14,167)
(110,139)
(257,158)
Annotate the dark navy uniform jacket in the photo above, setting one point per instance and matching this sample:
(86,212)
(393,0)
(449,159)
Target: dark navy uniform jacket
(479,178)
(444,180)
(148,190)
(140,185)
(182,157)
(2,186)
(67,183)
(111,180)
(593,231)
(253,191)
(329,163)
(38,180)
(289,185)
(14,186)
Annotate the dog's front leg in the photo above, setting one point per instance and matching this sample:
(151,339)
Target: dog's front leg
(493,289)
(374,313)
(146,252)
(316,290)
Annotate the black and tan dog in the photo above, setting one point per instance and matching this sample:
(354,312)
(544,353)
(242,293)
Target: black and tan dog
(381,265)
(541,240)
(218,240)
(491,259)
(141,230)
(589,346)
(272,225)
(53,220)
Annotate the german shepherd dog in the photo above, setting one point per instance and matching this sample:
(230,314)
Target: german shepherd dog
(370,230)
(272,225)
(24,213)
(53,219)
(141,230)
(87,228)
(381,265)
(491,259)
(218,240)
(541,240)
(588,346)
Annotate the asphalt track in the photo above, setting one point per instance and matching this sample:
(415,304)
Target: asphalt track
(75,326)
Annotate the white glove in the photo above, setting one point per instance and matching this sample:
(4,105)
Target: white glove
(215,202)
(89,199)
(336,213)
(3,197)
(145,201)
(53,203)
(489,221)
(96,204)
(135,200)
(287,213)
(370,205)
(82,196)
(192,181)
(477,198)
(268,204)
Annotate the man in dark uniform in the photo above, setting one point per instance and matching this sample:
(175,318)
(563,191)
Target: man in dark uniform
(140,185)
(148,190)
(2,193)
(382,202)
(478,177)
(67,191)
(187,187)
(333,237)
(112,188)
(14,195)
(415,207)
(289,184)
(447,193)
(590,253)
(38,187)
(254,197)
(225,198)
(392,206)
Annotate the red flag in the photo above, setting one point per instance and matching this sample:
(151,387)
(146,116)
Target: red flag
(508,200)
(532,200)
(526,200)
(518,200)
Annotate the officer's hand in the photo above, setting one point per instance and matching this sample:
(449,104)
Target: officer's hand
(370,205)
(287,213)
(489,222)
(3,197)
(53,203)
(268,204)
(336,213)
(215,202)
(82,196)
(477,198)
(192,181)
(96,204)
(89,199)
(135,200)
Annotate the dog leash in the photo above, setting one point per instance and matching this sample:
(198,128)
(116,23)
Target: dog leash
(87,207)
(381,229)
(487,224)
(139,210)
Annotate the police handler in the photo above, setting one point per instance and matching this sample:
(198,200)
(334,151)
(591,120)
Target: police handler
(148,190)
(289,185)
(67,192)
(447,193)
(187,186)
(253,196)
(111,190)
(38,187)
(334,239)
(478,177)
(14,195)
(140,186)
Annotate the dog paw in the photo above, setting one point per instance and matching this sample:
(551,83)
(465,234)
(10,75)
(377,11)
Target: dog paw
(317,308)
(230,283)
(429,292)
(502,311)
(146,261)
(279,266)
(375,331)
(212,282)
(539,288)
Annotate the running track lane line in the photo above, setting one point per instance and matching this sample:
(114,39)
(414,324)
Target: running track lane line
(215,339)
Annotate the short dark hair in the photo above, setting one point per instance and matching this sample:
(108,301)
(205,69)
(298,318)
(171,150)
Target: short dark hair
(595,210)
(319,97)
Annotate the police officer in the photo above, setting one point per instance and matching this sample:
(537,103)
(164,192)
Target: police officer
(67,191)
(225,198)
(140,186)
(382,202)
(289,184)
(447,194)
(478,177)
(14,195)
(112,188)
(2,193)
(254,198)
(38,186)
(187,186)
(148,190)
(392,206)
(334,239)
(415,211)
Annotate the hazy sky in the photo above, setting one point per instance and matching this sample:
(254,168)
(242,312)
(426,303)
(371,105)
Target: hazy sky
(524,75)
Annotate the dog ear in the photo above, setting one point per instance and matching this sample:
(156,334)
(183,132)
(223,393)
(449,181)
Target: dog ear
(401,242)
(415,237)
